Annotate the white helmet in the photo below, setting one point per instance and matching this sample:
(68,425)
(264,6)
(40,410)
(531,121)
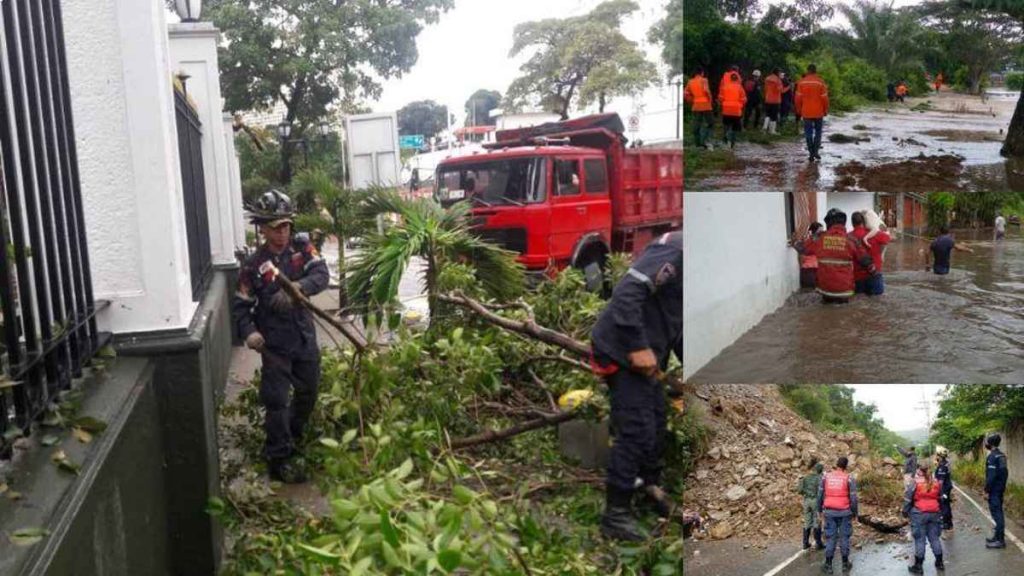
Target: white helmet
(757,73)
(941,451)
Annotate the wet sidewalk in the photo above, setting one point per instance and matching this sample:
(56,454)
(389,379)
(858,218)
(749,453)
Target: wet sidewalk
(967,326)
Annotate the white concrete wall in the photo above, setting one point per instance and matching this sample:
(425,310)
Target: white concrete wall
(120,80)
(194,52)
(235,183)
(849,202)
(737,268)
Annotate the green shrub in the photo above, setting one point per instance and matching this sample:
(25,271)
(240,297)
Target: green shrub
(1015,81)
(863,80)
(971,473)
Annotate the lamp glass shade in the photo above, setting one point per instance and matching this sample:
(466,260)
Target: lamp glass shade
(188,10)
(324,128)
(284,129)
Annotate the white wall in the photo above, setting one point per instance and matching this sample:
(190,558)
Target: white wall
(849,202)
(120,82)
(737,268)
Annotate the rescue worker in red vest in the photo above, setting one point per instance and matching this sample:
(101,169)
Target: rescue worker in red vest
(809,262)
(839,253)
(837,502)
(921,505)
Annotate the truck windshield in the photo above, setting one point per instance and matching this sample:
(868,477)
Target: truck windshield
(513,182)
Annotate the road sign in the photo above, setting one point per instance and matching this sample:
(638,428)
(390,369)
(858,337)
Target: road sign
(634,123)
(414,141)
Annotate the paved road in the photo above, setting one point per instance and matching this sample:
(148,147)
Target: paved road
(964,553)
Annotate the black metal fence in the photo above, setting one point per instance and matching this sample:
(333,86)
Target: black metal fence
(190,152)
(48,312)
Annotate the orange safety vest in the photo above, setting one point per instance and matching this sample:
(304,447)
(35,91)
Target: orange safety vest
(773,90)
(698,94)
(837,490)
(901,90)
(733,98)
(811,97)
(926,500)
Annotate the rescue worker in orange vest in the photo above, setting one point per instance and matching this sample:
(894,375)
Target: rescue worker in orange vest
(773,91)
(698,95)
(732,98)
(921,505)
(938,82)
(901,91)
(838,252)
(812,106)
(727,78)
(837,502)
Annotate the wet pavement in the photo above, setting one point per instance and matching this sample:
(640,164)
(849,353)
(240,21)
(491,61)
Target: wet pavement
(967,127)
(964,327)
(964,553)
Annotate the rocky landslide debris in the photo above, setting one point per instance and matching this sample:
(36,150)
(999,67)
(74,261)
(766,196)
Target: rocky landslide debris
(745,485)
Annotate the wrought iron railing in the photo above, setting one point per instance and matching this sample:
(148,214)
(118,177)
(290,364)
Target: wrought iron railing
(190,153)
(48,311)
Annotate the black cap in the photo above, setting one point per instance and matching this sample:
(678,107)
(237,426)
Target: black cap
(835,216)
(993,441)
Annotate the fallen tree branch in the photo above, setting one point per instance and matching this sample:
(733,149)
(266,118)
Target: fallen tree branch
(490,435)
(546,335)
(347,330)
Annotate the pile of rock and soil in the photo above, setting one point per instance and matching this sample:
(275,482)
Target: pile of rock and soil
(745,485)
(917,174)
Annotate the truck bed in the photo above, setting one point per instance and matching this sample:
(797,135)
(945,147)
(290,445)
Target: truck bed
(651,190)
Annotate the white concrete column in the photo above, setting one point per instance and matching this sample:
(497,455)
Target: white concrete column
(121,95)
(194,52)
(235,183)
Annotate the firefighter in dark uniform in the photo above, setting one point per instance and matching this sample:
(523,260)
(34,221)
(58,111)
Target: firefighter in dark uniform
(996,474)
(281,330)
(945,476)
(632,340)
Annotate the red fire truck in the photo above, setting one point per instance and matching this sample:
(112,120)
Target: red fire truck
(567,193)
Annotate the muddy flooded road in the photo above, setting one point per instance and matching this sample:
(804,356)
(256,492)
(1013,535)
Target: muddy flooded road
(941,141)
(967,326)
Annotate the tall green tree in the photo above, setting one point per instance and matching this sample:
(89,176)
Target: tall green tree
(579,60)
(968,412)
(314,56)
(887,38)
(976,42)
(424,117)
(668,32)
(479,106)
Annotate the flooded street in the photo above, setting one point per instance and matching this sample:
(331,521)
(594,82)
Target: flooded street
(964,327)
(941,141)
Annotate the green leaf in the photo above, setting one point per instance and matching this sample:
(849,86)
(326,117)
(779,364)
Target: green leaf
(449,559)
(330,443)
(90,424)
(344,509)
(403,471)
(69,466)
(349,436)
(107,352)
(387,530)
(390,556)
(463,495)
(13,434)
(49,440)
(360,567)
(28,536)
(319,553)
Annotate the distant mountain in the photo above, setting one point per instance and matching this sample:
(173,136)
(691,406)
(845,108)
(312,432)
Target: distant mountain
(917,436)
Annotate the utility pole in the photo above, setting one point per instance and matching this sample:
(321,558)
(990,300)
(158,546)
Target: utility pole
(926,406)
(679,107)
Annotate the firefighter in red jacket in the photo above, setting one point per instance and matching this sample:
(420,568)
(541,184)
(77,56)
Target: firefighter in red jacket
(839,254)
(837,502)
(921,505)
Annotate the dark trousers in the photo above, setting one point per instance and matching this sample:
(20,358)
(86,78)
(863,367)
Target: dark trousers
(285,421)
(926,528)
(752,110)
(639,425)
(838,530)
(995,507)
(812,133)
(702,123)
(872,286)
(946,508)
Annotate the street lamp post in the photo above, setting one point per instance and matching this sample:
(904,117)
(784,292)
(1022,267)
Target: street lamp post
(284,132)
(188,10)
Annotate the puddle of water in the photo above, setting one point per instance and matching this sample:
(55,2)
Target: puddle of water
(967,326)
(958,125)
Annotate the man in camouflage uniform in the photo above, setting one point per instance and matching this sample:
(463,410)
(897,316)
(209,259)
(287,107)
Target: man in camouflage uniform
(808,488)
(281,330)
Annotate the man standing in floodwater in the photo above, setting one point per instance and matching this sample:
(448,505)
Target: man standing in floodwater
(1000,226)
(812,106)
(941,251)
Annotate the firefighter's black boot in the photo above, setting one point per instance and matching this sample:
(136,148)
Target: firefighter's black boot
(807,536)
(618,522)
(847,565)
(916,568)
(826,568)
(818,544)
(938,563)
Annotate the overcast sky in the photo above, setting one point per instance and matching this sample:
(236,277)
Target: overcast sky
(900,405)
(468,50)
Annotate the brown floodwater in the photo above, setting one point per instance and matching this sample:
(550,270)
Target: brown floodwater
(966,327)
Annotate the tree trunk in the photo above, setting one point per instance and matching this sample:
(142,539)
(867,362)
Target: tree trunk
(490,435)
(1013,146)
(601,101)
(431,277)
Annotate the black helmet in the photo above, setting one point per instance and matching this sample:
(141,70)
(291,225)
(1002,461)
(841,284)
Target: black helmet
(993,441)
(835,216)
(273,208)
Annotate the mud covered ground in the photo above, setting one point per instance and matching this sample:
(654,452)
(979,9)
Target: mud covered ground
(883,148)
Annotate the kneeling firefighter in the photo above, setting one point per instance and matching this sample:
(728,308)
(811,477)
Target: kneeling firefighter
(838,252)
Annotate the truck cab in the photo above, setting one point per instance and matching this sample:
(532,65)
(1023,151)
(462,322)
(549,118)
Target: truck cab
(538,201)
